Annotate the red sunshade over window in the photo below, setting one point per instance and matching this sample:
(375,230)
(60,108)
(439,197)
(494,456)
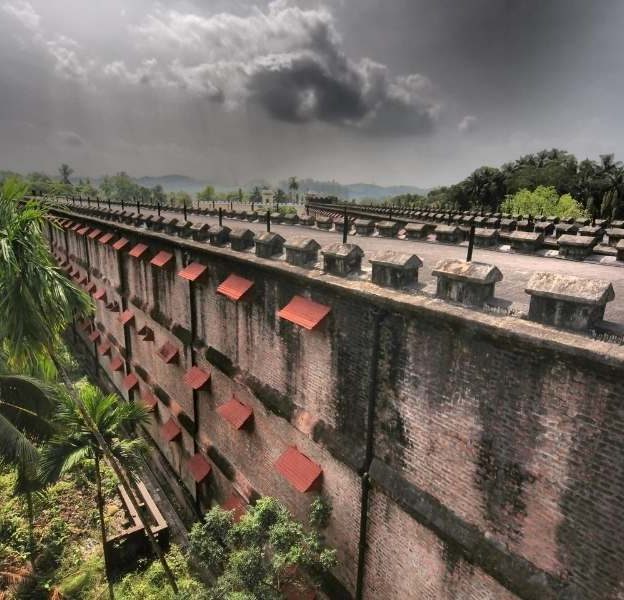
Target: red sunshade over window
(107,237)
(68,224)
(199,467)
(100,294)
(77,226)
(83,230)
(121,243)
(162,259)
(196,378)
(94,336)
(149,399)
(170,430)
(305,312)
(116,364)
(104,348)
(235,287)
(95,233)
(127,316)
(235,412)
(193,271)
(299,470)
(138,250)
(130,381)
(237,505)
(168,352)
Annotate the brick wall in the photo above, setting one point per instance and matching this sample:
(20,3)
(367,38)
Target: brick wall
(494,464)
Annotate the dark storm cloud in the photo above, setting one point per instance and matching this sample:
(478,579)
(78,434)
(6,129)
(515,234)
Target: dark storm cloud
(415,91)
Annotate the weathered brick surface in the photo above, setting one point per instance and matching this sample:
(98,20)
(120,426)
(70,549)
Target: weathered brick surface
(408,561)
(506,436)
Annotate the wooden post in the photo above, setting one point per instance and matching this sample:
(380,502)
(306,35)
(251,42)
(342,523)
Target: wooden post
(470,243)
(345,226)
(184,210)
(269,220)
(220,216)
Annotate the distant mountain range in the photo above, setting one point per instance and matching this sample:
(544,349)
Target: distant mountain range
(352,191)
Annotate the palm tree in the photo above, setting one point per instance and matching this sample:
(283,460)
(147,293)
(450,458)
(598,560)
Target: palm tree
(293,186)
(75,441)
(37,302)
(26,406)
(65,171)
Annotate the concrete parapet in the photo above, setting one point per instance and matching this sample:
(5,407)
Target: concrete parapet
(470,283)
(323,222)
(566,229)
(576,247)
(241,239)
(448,233)
(614,235)
(342,259)
(302,252)
(418,231)
(485,238)
(269,244)
(387,228)
(219,235)
(364,226)
(566,301)
(526,241)
(395,269)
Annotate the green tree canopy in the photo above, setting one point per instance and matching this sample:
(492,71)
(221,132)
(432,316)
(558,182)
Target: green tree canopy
(543,201)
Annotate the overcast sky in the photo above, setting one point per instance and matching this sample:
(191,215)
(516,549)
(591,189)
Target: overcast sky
(382,91)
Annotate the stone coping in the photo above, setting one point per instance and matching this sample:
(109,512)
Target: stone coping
(475,272)
(569,288)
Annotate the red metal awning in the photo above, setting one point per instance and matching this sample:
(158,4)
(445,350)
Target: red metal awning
(193,271)
(77,226)
(235,287)
(235,412)
(305,312)
(107,237)
(138,250)
(104,348)
(121,243)
(299,470)
(116,364)
(83,231)
(94,336)
(168,352)
(199,467)
(196,378)
(100,294)
(130,381)
(68,224)
(126,317)
(237,505)
(149,399)
(162,259)
(170,430)
(95,233)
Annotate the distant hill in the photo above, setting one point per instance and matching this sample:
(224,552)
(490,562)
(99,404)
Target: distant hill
(173,183)
(354,191)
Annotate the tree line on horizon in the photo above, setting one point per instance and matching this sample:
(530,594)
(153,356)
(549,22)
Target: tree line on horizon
(598,186)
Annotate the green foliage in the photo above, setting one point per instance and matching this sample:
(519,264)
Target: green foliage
(543,201)
(37,300)
(150,582)
(207,194)
(262,553)
(320,512)
(179,199)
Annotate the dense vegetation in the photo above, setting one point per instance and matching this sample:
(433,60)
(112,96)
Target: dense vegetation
(597,185)
(65,447)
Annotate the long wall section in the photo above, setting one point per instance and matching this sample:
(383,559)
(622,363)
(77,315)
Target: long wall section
(466,455)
